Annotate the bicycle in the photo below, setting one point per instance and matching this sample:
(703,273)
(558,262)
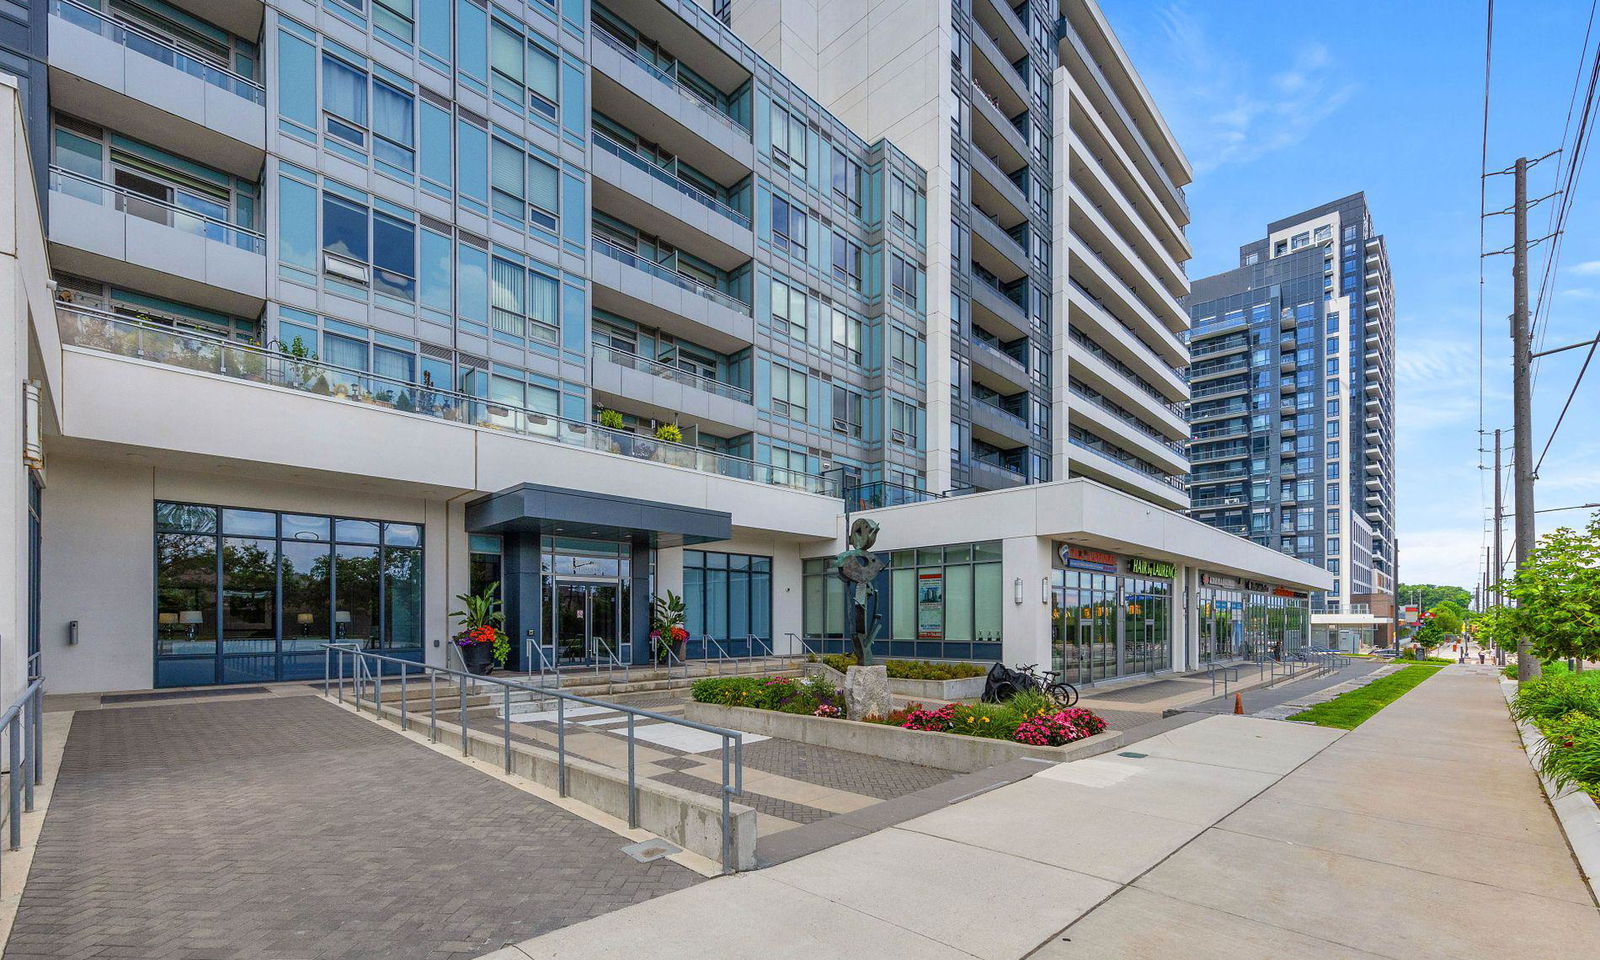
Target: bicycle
(1051,685)
(1005,683)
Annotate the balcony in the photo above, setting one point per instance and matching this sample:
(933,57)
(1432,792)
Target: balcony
(989,475)
(123,237)
(1200,372)
(1101,416)
(1095,187)
(1114,468)
(1226,410)
(1115,381)
(1215,390)
(655,294)
(641,95)
(667,394)
(996,250)
(1089,270)
(995,135)
(996,370)
(633,189)
(994,191)
(154,88)
(1152,356)
(995,311)
(997,427)
(1217,348)
(195,352)
(992,71)
(999,21)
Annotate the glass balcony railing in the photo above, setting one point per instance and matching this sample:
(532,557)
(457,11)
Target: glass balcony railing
(1127,371)
(615,252)
(1088,393)
(617,150)
(127,337)
(884,493)
(1128,460)
(160,48)
(157,211)
(671,81)
(668,372)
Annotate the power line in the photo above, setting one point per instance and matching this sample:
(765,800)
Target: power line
(1483,187)
(1565,406)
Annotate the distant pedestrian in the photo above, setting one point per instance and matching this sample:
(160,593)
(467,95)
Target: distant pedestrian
(1480,656)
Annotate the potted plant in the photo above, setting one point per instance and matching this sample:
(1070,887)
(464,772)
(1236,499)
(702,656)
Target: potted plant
(669,433)
(483,644)
(611,420)
(667,633)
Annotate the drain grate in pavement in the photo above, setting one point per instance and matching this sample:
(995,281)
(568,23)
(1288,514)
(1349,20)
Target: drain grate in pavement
(180,695)
(646,851)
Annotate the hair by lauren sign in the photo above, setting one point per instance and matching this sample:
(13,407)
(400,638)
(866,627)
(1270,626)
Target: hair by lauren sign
(1144,567)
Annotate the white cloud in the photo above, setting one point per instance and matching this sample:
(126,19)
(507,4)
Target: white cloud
(1586,268)
(1223,111)
(1452,556)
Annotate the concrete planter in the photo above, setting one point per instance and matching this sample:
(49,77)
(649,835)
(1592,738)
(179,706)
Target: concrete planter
(945,751)
(967,688)
(1575,810)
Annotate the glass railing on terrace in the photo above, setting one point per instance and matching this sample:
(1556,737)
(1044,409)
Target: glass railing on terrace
(1212,389)
(1176,446)
(665,176)
(1127,371)
(160,48)
(666,371)
(103,194)
(996,351)
(672,81)
(1132,462)
(1218,368)
(615,252)
(885,493)
(126,337)
(1209,347)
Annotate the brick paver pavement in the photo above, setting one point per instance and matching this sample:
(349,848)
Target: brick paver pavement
(285,828)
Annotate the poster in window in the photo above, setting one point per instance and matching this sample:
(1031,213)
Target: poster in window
(930,605)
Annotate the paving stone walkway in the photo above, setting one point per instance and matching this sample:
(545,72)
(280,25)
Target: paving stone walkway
(285,828)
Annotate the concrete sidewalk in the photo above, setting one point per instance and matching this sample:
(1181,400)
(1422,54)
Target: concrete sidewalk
(1230,837)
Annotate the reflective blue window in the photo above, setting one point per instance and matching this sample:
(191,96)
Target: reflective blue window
(297,223)
(297,80)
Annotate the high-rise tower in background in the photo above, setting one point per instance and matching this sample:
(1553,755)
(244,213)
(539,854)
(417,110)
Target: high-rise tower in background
(1056,223)
(1292,406)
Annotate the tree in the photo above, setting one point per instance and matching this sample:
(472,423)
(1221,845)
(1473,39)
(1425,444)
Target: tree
(1557,596)
(1429,595)
(1448,616)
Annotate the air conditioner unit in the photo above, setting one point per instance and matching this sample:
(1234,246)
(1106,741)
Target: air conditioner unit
(344,269)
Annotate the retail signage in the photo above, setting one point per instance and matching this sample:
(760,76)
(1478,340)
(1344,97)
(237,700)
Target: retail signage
(1286,592)
(1082,558)
(930,605)
(1143,567)
(1218,580)
(1412,613)
(1256,586)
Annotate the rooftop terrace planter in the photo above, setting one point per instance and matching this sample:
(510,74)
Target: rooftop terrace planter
(944,751)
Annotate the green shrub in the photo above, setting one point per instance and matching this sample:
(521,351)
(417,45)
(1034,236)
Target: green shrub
(927,670)
(766,693)
(1554,695)
(839,661)
(1571,753)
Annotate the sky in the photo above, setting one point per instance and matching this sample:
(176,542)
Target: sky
(1280,110)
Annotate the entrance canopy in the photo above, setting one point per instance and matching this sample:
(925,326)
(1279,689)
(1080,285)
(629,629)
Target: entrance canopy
(555,511)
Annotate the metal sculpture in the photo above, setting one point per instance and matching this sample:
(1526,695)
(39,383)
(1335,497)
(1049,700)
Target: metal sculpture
(859,567)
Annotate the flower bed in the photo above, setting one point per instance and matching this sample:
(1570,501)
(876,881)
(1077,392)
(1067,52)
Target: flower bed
(1027,718)
(1565,709)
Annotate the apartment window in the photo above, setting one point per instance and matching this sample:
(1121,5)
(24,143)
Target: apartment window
(905,352)
(1333,522)
(1332,428)
(1333,493)
(1333,407)
(1333,470)
(1333,564)
(903,203)
(1280,248)
(788,392)
(904,281)
(346,93)
(1333,449)
(1299,240)
(846,182)
(847,261)
(1333,546)
(902,423)
(846,335)
(1333,369)
(354,237)
(522,71)
(789,140)
(1333,346)
(523,304)
(846,411)
(788,227)
(788,310)
(344,101)
(522,188)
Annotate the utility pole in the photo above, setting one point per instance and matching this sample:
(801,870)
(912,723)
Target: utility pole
(1498,558)
(1522,401)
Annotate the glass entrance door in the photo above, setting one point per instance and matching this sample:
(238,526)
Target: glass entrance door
(586,621)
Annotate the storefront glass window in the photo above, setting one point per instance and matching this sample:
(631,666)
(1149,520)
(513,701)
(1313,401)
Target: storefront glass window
(728,597)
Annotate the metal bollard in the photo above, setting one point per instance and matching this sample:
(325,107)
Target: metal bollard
(633,793)
(505,713)
(14,785)
(561,747)
(433,707)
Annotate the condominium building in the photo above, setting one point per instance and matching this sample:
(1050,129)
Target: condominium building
(366,304)
(1292,406)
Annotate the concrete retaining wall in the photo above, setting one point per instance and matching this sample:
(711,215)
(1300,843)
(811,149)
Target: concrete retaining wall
(690,820)
(946,751)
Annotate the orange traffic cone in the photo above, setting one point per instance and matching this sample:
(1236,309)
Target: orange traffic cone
(1238,703)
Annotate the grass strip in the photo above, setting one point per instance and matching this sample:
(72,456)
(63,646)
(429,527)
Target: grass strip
(1350,710)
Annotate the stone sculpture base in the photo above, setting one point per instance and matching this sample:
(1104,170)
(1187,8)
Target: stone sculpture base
(866,692)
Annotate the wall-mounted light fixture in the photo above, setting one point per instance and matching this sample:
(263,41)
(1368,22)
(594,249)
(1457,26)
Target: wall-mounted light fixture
(1016,591)
(1044,589)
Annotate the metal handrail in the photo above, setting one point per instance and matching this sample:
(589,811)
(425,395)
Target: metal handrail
(732,740)
(677,183)
(632,259)
(722,652)
(1133,463)
(551,662)
(23,724)
(232,234)
(127,336)
(193,63)
(613,661)
(666,371)
(672,81)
